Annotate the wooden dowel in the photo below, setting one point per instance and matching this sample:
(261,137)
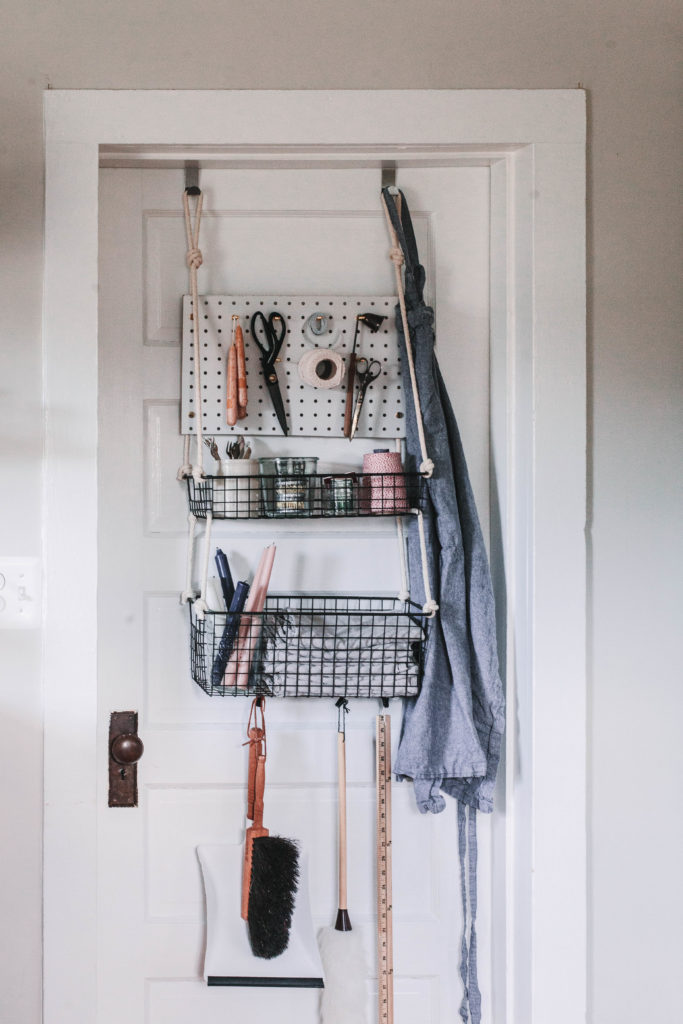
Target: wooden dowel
(341,779)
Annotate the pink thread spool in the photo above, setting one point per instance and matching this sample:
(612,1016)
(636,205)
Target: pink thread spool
(383,477)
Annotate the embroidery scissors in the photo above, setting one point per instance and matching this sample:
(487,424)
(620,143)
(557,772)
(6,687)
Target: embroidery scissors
(273,329)
(366,372)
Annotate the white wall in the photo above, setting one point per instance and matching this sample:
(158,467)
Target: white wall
(624,55)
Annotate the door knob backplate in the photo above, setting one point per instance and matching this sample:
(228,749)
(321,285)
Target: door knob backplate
(125,750)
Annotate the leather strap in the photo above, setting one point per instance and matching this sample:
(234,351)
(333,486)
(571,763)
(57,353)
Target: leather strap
(256,778)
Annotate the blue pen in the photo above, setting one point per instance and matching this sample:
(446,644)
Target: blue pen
(227,641)
(225,576)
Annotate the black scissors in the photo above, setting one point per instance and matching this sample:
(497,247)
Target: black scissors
(273,329)
(366,372)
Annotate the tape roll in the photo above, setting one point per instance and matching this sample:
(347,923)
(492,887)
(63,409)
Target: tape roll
(322,368)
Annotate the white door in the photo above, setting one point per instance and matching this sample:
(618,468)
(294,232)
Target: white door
(287,231)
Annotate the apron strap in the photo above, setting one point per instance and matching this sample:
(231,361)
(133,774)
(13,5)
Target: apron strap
(403,226)
(470,1007)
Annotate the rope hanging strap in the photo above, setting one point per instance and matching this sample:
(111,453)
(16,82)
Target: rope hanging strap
(430,607)
(201,606)
(186,469)
(404,593)
(397,258)
(188,593)
(194,262)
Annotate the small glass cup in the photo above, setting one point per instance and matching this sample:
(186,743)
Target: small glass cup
(339,494)
(286,484)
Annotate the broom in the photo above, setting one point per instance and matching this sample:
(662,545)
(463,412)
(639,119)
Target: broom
(344,997)
(270,873)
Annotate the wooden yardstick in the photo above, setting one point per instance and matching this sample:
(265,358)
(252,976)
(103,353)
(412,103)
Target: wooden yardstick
(385,941)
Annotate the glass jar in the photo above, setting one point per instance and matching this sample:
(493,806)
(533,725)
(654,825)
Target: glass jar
(286,484)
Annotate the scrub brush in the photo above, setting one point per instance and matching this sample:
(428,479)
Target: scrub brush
(270,875)
(344,998)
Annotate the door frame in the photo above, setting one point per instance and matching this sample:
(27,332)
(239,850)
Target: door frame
(534,144)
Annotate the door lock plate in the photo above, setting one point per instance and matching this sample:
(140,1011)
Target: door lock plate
(125,750)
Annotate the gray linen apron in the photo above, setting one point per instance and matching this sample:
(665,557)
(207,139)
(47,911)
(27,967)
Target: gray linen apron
(451,732)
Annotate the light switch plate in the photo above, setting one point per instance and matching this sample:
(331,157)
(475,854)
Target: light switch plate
(20,598)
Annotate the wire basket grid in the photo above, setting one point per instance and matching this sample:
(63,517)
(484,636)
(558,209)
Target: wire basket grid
(312,646)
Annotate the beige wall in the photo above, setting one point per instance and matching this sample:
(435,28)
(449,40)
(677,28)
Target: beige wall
(624,55)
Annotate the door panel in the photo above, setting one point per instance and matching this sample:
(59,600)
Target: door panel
(277,230)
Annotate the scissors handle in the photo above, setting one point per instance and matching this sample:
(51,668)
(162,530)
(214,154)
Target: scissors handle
(366,377)
(368,370)
(273,339)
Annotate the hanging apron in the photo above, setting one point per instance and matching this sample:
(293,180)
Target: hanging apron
(451,732)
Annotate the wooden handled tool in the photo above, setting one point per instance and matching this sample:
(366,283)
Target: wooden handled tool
(350,382)
(270,874)
(343,922)
(345,994)
(241,373)
(231,388)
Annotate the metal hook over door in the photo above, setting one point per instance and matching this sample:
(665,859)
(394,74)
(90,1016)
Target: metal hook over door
(125,750)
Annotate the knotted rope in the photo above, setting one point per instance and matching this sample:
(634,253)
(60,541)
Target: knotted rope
(430,607)
(201,605)
(188,592)
(397,258)
(186,468)
(194,260)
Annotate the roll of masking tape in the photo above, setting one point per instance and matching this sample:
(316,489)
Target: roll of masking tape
(322,368)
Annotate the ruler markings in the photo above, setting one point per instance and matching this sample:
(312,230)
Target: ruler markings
(385,944)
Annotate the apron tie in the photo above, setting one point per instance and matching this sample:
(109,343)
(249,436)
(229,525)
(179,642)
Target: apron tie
(470,1007)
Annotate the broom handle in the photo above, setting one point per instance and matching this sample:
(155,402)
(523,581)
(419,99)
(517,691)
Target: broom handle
(259,789)
(341,778)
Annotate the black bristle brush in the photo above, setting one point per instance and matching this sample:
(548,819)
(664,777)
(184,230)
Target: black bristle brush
(270,876)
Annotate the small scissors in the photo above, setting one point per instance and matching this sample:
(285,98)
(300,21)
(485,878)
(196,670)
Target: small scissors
(274,329)
(366,372)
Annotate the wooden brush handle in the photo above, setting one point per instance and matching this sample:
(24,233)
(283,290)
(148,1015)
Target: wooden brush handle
(350,381)
(256,785)
(231,388)
(341,781)
(241,371)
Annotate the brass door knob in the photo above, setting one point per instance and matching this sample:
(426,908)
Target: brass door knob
(127,748)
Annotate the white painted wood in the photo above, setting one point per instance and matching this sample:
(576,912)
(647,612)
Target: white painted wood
(192,779)
(338,122)
(537,245)
(308,411)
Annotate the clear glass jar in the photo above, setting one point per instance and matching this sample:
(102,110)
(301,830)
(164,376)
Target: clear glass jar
(286,484)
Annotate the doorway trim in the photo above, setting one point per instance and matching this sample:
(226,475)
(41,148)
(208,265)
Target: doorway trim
(534,143)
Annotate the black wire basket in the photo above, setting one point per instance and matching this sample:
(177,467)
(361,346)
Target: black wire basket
(307,496)
(311,646)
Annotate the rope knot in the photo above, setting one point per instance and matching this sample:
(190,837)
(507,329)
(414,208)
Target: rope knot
(430,608)
(187,595)
(184,471)
(194,258)
(403,595)
(427,467)
(396,256)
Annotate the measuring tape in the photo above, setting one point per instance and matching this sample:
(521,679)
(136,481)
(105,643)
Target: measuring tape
(385,939)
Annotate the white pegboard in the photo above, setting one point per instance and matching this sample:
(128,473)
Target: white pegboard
(310,411)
